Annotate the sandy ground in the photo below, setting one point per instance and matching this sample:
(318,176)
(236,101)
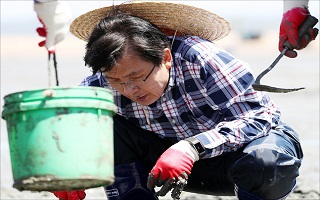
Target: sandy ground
(24,67)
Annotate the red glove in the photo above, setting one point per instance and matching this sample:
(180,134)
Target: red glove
(289,26)
(70,195)
(43,33)
(173,166)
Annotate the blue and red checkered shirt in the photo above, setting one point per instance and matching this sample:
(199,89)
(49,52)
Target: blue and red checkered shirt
(209,96)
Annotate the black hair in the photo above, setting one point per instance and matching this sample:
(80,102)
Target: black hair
(119,33)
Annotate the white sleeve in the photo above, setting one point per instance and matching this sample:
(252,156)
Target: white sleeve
(289,4)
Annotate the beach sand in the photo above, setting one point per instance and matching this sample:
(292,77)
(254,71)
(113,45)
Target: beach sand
(24,67)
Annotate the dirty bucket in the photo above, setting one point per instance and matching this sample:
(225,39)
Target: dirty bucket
(60,138)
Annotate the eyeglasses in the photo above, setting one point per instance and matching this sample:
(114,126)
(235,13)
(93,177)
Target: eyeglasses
(132,83)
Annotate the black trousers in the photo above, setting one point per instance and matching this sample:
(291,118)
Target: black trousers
(267,167)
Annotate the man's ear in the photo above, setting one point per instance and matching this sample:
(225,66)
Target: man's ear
(167,58)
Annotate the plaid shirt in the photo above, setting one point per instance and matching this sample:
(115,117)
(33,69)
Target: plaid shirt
(209,96)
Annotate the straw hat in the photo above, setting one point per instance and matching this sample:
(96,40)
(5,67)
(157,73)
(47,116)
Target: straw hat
(171,18)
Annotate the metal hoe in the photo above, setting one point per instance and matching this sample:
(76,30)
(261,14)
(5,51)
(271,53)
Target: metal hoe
(303,29)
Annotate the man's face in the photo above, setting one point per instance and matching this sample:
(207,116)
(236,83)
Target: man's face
(140,80)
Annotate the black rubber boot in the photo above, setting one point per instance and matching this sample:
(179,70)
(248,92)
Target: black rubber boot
(244,195)
(130,183)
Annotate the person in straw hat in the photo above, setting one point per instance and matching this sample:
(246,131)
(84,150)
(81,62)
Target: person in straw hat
(187,116)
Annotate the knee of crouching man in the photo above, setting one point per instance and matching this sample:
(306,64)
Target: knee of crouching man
(266,173)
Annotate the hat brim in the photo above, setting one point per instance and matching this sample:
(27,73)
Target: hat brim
(169,17)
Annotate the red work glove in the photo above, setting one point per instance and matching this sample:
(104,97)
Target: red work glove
(70,195)
(173,167)
(289,27)
(55,17)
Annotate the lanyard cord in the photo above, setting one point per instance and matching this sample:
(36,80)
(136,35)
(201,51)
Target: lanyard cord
(55,68)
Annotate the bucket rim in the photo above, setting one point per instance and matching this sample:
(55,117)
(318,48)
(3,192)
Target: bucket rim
(59,97)
(57,88)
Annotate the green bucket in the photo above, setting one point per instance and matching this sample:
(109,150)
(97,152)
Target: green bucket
(60,138)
